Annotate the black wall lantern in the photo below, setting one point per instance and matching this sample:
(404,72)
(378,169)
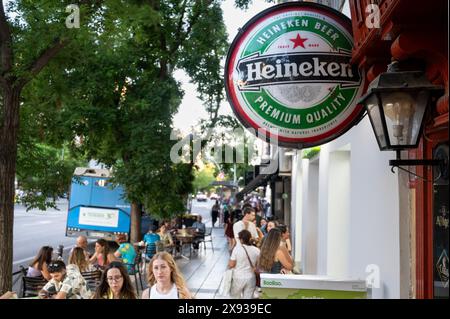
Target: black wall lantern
(396,102)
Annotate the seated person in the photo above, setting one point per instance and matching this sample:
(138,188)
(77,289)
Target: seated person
(151,238)
(200,229)
(38,267)
(166,238)
(126,252)
(103,254)
(65,283)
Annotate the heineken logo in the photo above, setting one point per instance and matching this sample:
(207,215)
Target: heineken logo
(289,70)
(257,71)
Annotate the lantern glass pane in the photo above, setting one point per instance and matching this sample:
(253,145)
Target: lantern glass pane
(373,110)
(404,113)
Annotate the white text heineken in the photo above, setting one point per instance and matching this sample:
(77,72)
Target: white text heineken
(296,68)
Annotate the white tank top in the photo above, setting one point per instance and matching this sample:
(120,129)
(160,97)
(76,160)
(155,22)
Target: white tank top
(172,294)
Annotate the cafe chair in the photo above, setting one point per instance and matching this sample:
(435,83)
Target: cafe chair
(92,278)
(135,271)
(208,238)
(32,285)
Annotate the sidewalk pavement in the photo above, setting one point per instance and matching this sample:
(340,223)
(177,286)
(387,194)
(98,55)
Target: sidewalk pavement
(203,272)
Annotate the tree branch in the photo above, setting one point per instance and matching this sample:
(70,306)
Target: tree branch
(182,36)
(5,43)
(43,60)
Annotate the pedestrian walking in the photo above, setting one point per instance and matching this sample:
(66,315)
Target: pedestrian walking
(243,261)
(229,221)
(246,223)
(215,213)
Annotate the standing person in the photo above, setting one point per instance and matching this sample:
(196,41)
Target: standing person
(271,225)
(229,231)
(78,258)
(237,213)
(267,210)
(165,280)
(260,233)
(66,283)
(215,213)
(115,283)
(243,260)
(200,229)
(285,237)
(246,223)
(126,252)
(39,266)
(274,258)
(263,226)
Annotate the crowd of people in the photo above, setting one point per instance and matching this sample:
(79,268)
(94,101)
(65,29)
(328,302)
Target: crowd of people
(257,244)
(116,261)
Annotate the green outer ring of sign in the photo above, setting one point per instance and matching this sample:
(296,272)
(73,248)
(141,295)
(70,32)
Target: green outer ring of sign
(348,123)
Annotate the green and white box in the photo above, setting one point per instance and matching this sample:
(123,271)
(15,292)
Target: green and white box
(277,286)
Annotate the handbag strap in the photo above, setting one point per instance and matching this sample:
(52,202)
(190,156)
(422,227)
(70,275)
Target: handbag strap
(251,264)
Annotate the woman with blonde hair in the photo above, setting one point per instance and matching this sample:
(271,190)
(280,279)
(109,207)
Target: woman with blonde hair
(78,258)
(274,258)
(165,280)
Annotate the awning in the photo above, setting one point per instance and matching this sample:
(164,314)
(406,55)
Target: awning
(228,184)
(259,180)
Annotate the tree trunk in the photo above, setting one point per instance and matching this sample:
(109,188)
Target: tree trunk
(135,231)
(9,127)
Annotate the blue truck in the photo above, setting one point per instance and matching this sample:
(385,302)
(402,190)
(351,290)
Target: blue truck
(97,209)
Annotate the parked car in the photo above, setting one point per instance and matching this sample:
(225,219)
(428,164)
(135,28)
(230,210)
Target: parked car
(201,197)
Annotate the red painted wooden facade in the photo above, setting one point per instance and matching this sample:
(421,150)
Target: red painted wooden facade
(416,31)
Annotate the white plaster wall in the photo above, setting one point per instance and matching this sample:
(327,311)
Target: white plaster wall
(310,215)
(296,211)
(369,228)
(338,235)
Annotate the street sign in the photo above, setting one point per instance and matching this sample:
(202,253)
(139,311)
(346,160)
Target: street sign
(289,70)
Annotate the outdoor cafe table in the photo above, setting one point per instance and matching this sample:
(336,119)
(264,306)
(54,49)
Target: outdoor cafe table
(184,237)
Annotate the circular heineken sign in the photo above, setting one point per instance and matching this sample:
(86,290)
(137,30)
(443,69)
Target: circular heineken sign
(288,70)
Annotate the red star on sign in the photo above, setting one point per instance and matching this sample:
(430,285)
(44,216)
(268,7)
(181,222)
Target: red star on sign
(298,41)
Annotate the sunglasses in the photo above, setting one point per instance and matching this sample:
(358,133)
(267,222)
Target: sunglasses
(55,267)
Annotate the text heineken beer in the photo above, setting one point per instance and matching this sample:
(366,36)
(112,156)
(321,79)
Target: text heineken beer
(288,70)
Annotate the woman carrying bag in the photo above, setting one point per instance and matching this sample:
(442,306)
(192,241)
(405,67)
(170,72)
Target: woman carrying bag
(242,261)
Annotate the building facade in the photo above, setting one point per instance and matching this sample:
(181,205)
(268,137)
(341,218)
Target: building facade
(416,34)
